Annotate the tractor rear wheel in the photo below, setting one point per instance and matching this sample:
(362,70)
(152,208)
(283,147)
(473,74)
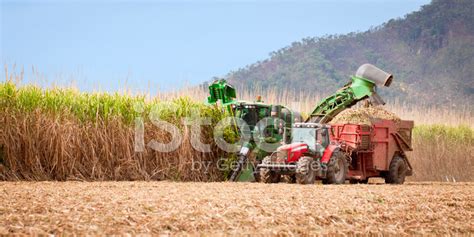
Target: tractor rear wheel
(337,169)
(397,171)
(268,175)
(304,170)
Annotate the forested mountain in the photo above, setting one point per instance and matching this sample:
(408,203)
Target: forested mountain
(430,52)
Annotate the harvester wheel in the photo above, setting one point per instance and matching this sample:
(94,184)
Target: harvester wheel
(304,170)
(397,171)
(337,169)
(267,175)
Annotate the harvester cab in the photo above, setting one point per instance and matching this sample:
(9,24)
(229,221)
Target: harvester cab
(270,124)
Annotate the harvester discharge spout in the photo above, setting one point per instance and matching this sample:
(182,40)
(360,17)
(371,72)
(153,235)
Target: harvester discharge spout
(374,74)
(363,85)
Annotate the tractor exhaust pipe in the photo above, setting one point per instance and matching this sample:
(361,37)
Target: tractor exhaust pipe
(374,74)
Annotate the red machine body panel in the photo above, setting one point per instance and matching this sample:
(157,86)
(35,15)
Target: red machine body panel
(294,151)
(328,153)
(372,147)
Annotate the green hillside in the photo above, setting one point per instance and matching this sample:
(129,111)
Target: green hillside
(430,52)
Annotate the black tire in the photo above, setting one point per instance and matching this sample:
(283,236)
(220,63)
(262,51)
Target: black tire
(397,171)
(267,175)
(291,179)
(256,175)
(337,169)
(356,181)
(304,170)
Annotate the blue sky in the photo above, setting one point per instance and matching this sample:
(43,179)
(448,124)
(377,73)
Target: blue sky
(151,45)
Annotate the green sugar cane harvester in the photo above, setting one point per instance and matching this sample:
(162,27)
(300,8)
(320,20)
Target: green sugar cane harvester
(277,129)
(268,127)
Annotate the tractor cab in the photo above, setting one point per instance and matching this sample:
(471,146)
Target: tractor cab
(314,135)
(306,139)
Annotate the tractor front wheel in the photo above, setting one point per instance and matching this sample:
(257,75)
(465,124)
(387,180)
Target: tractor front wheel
(337,169)
(397,171)
(268,175)
(305,170)
(291,179)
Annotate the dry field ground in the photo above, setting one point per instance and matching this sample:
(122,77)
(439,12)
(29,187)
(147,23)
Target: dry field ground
(235,208)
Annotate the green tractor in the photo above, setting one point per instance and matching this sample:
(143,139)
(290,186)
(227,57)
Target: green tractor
(267,124)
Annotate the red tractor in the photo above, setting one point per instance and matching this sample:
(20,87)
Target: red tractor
(339,152)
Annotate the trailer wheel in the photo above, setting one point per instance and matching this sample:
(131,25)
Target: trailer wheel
(268,175)
(397,171)
(337,169)
(304,170)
